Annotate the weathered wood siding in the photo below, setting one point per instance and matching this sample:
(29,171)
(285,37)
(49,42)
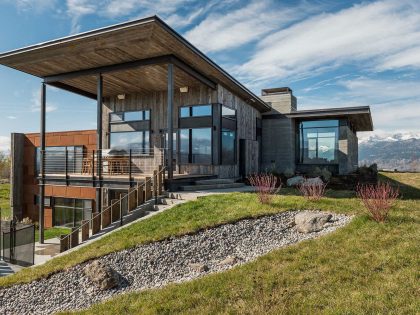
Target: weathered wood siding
(157,103)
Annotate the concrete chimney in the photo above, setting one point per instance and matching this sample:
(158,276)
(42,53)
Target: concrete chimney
(280,99)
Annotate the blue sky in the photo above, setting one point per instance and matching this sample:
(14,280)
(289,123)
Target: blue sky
(331,53)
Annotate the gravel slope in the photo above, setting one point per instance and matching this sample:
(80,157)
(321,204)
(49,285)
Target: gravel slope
(159,263)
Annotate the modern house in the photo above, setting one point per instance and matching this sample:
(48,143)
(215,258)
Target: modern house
(161,103)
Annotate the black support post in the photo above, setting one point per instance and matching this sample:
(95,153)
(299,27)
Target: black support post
(42,164)
(170,128)
(99,143)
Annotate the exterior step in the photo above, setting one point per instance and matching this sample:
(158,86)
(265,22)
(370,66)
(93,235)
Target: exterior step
(215,181)
(211,186)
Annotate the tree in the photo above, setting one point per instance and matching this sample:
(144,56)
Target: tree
(4,165)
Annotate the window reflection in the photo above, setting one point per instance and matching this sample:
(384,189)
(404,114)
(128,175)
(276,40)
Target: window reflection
(195,111)
(228,146)
(138,141)
(195,145)
(318,141)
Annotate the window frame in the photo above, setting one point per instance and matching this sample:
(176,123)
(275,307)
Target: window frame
(301,141)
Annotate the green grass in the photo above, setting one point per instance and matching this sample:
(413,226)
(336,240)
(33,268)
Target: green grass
(364,268)
(52,232)
(4,200)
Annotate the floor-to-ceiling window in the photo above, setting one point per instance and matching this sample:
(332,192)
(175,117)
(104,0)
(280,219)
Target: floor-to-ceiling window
(70,212)
(228,136)
(318,141)
(130,130)
(195,134)
(56,157)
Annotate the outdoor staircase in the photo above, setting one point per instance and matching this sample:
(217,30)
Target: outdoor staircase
(209,184)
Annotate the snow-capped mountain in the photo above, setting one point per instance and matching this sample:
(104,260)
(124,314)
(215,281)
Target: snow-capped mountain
(398,151)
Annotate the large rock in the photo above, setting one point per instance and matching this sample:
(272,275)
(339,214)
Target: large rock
(307,222)
(229,260)
(103,276)
(294,181)
(313,181)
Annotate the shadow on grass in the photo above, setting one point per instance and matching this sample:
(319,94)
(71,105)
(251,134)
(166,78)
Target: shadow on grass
(406,191)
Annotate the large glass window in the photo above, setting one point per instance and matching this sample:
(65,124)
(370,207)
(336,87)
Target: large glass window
(195,145)
(70,212)
(55,159)
(228,146)
(129,116)
(318,141)
(195,111)
(137,141)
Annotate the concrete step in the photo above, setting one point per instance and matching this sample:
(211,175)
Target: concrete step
(211,186)
(215,181)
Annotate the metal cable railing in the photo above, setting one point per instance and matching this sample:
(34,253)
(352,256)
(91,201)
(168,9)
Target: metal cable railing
(147,193)
(105,162)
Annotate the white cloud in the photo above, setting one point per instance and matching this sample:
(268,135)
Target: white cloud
(36,6)
(368,34)
(36,103)
(11,117)
(226,30)
(4,143)
(76,9)
(394,104)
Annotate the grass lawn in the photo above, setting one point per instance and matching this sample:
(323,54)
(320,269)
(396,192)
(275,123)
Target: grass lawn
(4,200)
(365,267)
(52,233)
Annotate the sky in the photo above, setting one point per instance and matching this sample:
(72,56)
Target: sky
(330,53)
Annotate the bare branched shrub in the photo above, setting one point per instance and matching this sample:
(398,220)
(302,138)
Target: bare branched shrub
(378,199)
(312,190)
(265,185)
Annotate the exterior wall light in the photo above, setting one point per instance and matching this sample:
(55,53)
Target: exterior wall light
(183,89)
(121,96)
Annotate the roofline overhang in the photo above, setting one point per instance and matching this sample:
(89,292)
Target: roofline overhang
(333,112)
(264,107)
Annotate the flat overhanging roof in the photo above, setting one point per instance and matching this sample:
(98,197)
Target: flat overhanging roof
(123,44)
(360,117)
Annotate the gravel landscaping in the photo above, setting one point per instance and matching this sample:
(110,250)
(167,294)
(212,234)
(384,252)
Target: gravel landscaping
(157,264)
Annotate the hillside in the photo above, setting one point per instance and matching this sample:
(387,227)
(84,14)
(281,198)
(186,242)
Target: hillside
(399,151)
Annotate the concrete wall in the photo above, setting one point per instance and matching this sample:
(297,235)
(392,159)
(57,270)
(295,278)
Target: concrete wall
(278,143)
(348,150)
(281,103)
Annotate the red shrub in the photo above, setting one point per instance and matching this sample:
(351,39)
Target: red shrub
(378,199)
(265,186)
(312,190)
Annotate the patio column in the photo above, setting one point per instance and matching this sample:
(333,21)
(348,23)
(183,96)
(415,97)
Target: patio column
(42,164)
(99,98)
(170,119)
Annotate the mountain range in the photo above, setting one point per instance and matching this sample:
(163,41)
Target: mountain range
(399,151)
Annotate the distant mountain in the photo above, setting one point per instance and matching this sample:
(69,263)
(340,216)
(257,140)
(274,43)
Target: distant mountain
(399,151)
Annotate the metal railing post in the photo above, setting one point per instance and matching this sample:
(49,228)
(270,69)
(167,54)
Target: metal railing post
(121,212)
(129,169)
(93,168)
(66,160)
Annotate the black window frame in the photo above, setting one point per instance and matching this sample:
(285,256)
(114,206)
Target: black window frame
(300,140)
(66,147)
(145,150)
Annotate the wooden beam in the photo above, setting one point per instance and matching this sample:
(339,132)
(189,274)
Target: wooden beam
(73,89)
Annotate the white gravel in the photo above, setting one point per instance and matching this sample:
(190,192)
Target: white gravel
(159,263)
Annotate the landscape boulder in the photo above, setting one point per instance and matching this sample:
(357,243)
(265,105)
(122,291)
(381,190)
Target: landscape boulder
(307,222)
(294,181)
(101,275)
(228,261)
(313,181)
(199,267)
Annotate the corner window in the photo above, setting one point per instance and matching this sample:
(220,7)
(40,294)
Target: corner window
(137,141)
(318,141)
(195,111)
(130,131)
(195,145)
(55,159)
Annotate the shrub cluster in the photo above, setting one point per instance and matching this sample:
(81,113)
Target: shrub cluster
(265,185)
